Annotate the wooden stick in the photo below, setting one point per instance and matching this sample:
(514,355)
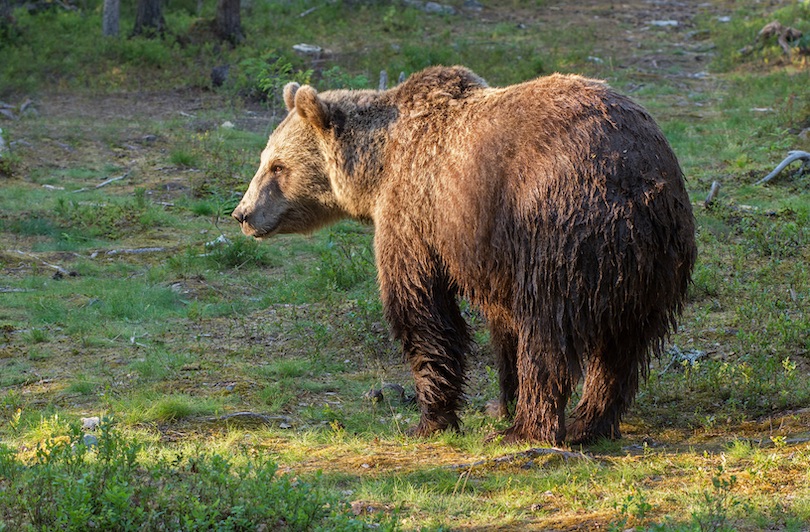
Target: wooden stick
(48,264)
(792,156)
(534,452)
(712,194)
(104,183)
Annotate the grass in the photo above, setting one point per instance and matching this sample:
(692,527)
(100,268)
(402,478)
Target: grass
(172,341)
(73,482)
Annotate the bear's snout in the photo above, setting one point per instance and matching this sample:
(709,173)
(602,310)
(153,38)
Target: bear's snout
(239,214)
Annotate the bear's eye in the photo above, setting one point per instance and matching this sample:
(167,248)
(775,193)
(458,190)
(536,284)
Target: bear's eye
(276,169)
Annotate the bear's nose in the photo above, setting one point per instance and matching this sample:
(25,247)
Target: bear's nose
(239,214)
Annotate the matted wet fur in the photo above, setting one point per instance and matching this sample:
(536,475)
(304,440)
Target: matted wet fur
(556,206)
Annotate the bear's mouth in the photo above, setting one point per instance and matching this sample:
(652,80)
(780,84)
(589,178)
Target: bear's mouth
(263,233)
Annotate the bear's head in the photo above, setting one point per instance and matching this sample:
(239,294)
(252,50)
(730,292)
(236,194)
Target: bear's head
(291,192)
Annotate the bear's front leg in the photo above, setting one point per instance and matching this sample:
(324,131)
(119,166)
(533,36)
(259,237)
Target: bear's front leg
(420,305)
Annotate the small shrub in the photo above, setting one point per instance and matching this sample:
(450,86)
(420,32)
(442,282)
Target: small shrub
(241,252)
(336,78)
(264,77)
(183,158)
(715,504)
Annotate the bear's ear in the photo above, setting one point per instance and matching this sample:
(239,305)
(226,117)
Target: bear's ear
(289,94)
(311,107)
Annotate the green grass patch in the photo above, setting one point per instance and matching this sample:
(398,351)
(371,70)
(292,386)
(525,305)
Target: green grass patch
(109,480)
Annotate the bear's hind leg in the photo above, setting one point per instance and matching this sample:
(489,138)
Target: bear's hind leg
(504,343)
(611,383)
(545,381)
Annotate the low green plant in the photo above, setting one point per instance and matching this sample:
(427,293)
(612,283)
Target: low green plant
(265,76)
(110,218)
(184,158)
(337,78)
(633,508)
(347,259)
(715,504)
(107,481)
(239,253)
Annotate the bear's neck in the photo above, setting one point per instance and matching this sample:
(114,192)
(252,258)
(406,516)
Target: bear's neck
(356,161)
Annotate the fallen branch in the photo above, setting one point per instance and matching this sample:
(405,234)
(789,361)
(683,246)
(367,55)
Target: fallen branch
(792,156)
(784,34)
(248,418)
(59,269)
(308,11)
(534,452)
(712,194)
(104,183)
(136,251)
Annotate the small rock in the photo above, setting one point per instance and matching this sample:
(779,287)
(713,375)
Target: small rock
(221,239)
(396,388)
(362,508)
(473,5)
(664,23)
(434,8)
(284,425)
(90,441)
(493,409)
(227,125)
(27,108)
(307,49)
(90,423)
(724,19)
(149,138)
(374,395)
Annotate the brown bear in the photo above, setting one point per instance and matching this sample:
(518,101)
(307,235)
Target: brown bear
(556,206)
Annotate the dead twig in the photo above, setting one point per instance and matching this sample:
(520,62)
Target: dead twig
(784,34)
(792,156)
(712,194)
(136,251)
(534,452)
(308,11)
(59,269)
(248,418)
(104,183)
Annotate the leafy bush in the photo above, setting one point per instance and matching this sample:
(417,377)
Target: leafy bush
(239,253)
(264,77)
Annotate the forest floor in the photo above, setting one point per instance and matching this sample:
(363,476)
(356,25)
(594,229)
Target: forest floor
(297,341)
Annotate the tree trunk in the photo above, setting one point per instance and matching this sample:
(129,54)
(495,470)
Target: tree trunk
(149,19)
(6,19)
(229,21)
(110,17)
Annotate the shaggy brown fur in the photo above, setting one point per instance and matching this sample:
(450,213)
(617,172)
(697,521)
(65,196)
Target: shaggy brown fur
(556,206)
